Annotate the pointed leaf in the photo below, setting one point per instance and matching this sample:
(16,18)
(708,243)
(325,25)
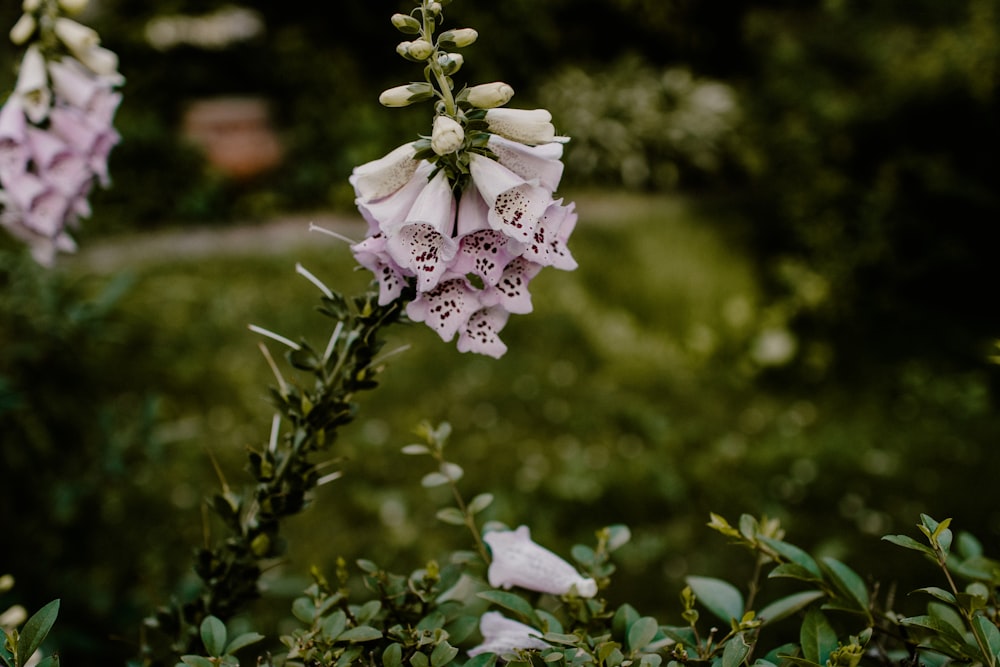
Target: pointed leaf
(483,660)
(196,661)
(451,515)
(989,635)
(908,542)
(480,502)
(787,606)
(35,630)
(718,596)
(817,637)
(213,635)
(793,554)
(943,628)
(442,654)
(242,641)
(848,581)
(792,571)
(938,593)
(392,656)
(433,479)
(736,651)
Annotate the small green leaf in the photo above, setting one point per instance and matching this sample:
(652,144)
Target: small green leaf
(333,625)
(942,627)
(392,656)
(792,554)
(908,542)
(641,632)
(513,602)
(848,581)
(451,515)
(817,637)
(462,628)
(367,611)
(362,633)
(583,554)
(618,536)
(718,596)
(480,502)
(433,479)
(35,630)
(554,656)
(736,651)
(419,660)
(196,661)
(792,571)
(650,660)
(561,638)
(968,546)
(304,610)
(416,450)
(213,635)
(786,606)
(989,635)
(622,620)
(938,593)
(242,641)
(483,660)
(442,654)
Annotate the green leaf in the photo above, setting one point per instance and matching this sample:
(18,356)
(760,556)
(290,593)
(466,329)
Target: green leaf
(367,611)
(792,571)
(561,638)
(938,593)
(989,635)
(968,546)
(213,635)
(348,657)
(817,637)
(482,660)
(908,542)
(623,619)
(786,606)
(848,582)
(793,554)
(362,633)
(451,515)
(433,479)
(549,622)
(480,502)
(937,625)
(242,641)
(442,654)
(618,536)
(736,651)
(641,632)
(650,660)
(416,450)
(718,596)
(333,625)
(304,610)
(392,656)
(196,661)
(513,602)
(419,660)
(461,628)
(35,630)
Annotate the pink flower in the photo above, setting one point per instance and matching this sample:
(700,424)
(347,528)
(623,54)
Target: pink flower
(514,204)
(14,154)
(548,244)
(542,162)
(480,332)
(446,308)
(511,291)
(501,635)
(517,561)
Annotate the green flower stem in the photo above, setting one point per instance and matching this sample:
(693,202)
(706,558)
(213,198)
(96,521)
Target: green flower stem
(283,471)
(427,33)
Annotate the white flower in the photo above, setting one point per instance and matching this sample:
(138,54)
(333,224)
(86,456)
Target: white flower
(77,37)
(515,204)
(517,561)
(501,635)
(447,135)
(458,38)
(528,126)
(33,85)
(489,95)
(380,178)
(401,96)
(388,213)
(543,162)
(480,334)
(423,245)
(23,29)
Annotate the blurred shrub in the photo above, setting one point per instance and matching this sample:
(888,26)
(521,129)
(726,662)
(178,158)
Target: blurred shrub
(868,135)
(635,126)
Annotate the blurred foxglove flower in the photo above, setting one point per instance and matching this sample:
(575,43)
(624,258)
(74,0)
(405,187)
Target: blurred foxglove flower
(517,561)
(527,126)
(501,635)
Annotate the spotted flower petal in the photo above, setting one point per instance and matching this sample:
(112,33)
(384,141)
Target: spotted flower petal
(486,254)
(511,291)
(517,561)
(548,244)
(515,205)
(481,333)
(501,635)
(372,254)
(541,162)
(446,308)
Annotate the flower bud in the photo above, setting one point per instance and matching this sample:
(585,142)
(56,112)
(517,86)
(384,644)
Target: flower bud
(406,24)
(447,136)
(31,5)
(531,127)
(420,49)
(450,62)
(33,85)
(23,29)
(458,38)
(77,37)
(402,96)
(73,6)
(489,95)
(435,8)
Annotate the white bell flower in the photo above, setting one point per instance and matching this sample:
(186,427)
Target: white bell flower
(517,561)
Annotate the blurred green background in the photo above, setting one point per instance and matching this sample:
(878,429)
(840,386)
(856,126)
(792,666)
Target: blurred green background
(785,301)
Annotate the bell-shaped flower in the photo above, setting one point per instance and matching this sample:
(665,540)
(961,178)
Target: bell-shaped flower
(502,635)
(380,178)
(424,243)
(489,95)
(59,164)
(446,308)
(526,126)
(43,248)
(372,255)
(548,245)
(101,61)
(511,291)
(77,37)
(43,208)
(387,214)
(486,254)
(542,162)
(74,83)
(515,205)
(517,561)
(33,85)
(14,152)
(447,135)
(481,332)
